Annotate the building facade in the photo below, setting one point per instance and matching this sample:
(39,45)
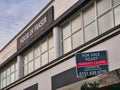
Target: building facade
(42,55)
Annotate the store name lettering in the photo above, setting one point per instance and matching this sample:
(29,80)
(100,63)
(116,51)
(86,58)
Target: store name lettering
(34,29)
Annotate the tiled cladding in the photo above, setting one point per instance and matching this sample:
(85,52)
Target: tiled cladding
(8,51)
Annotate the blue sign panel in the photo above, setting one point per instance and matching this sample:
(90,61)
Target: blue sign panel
(91,63)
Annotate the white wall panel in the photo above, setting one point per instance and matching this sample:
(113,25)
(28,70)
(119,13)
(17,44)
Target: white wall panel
(44,79)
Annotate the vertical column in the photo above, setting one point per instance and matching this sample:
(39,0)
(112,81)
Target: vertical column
(57,42)
(19,66)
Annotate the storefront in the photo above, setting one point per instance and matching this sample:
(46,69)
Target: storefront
(43,55)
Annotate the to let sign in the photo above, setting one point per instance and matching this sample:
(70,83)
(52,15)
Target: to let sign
(91,63)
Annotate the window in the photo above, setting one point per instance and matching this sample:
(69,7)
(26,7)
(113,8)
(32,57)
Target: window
(30,67)
(12,77)
(89,15)
(77,39)
(37,63)
(51,52)
(25,69)
(28,62)
(66,30)
(8,75)
(44,53)
(103,6)
(37,58)
(44,46)
(37,51)
(90,31)
(117,15)
(39,55)
(44,58)
(67,45)
(105,22)
(85,25)
(76,23)
(25,64)
(30,55)
(72,33)
(8,80)
(50,42)
(116,6)
(116,2)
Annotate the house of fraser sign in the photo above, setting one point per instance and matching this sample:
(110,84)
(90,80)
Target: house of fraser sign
(36,29)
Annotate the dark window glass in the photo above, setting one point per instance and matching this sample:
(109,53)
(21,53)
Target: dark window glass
(33,87)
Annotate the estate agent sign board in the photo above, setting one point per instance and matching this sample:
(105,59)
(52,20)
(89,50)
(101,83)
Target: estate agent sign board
(91,63)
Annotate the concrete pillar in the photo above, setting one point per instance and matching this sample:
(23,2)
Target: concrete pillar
(57,42)
(19,66)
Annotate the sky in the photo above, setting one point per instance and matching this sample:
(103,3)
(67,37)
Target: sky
(15,14)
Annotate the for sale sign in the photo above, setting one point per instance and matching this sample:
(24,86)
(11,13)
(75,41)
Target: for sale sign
(91,63)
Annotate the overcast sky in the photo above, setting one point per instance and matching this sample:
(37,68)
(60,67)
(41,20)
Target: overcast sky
(15,14)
